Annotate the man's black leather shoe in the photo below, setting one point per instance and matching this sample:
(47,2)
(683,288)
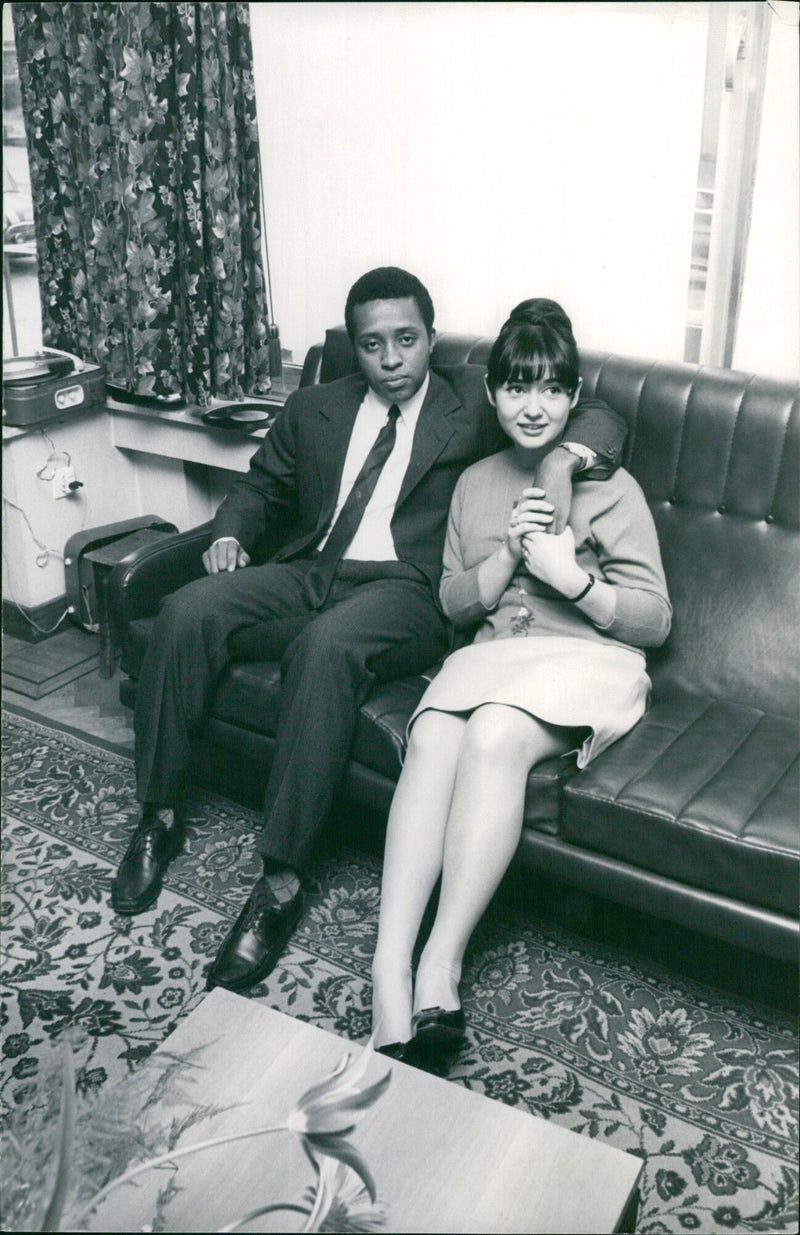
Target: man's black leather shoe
(157,840)
(256,940)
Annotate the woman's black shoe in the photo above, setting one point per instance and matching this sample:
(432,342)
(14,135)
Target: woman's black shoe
(402,1052)
(394,1050)
(437,1030)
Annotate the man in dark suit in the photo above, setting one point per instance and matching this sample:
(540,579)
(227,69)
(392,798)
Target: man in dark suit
(359,473)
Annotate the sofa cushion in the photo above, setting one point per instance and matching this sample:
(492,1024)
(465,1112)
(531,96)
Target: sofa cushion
(380,745)
(248,695)
(380,737)
(543,793)
(700,791)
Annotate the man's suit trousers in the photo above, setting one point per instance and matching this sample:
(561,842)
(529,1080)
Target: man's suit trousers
(368,631)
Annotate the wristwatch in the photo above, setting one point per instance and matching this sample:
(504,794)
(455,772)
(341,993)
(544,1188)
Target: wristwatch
(586,455)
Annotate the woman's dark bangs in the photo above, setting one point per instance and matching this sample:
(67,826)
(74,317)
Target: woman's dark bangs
(527,361)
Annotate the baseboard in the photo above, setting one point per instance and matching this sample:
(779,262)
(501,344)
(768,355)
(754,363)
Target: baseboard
(34,624)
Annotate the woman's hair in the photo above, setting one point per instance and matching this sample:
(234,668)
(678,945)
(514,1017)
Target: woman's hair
(536,342)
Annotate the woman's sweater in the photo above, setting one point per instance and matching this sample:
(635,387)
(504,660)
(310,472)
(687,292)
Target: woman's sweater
(615,539)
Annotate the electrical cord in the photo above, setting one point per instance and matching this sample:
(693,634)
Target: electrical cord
(42,630)
(44,556)
(48,468)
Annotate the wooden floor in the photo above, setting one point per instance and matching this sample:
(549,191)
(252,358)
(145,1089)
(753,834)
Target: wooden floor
(85,701)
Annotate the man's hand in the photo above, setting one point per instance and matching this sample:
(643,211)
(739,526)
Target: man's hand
(554,475)
(224,554)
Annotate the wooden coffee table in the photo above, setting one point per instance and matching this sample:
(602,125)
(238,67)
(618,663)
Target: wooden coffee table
(443,1158)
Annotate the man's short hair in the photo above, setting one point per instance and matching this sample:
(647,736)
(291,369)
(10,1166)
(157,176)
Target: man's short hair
(388,283)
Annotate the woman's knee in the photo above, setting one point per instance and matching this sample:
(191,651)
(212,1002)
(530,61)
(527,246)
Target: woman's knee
(434,731)
(500,734)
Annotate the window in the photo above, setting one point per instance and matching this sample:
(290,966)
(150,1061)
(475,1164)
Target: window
(22,318)
(750,133)
(767,338)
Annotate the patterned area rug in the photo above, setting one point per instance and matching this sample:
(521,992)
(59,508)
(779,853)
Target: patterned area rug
(701,1085)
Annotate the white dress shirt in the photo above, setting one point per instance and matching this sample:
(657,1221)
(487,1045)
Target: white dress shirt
(373,541)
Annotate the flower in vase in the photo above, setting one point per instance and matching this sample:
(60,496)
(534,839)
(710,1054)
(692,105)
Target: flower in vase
(327,1112)
(340,1202)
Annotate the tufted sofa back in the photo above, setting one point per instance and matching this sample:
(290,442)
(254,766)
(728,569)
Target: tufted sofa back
(717,454)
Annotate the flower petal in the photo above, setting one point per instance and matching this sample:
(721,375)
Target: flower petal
(328,1106)
(344,1151)
(337,1115)
(322,1087)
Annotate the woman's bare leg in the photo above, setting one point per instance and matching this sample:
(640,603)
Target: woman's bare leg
(412,864)
(499,747)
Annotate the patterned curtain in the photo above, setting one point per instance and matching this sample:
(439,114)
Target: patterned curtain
(143,149)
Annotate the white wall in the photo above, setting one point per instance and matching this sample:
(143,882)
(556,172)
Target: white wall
(117,485)
(497,150)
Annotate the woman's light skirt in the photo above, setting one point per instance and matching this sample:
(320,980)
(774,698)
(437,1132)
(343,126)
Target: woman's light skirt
(573,683)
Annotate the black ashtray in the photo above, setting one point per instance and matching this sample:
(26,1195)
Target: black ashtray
(242,416)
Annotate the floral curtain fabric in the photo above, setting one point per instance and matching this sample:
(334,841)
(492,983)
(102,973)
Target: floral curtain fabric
(143,149)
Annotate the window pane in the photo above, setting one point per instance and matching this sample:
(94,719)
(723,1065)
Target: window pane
(768,337)
(22,316)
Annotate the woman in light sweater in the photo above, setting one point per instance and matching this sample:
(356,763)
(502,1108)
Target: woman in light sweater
(555,667)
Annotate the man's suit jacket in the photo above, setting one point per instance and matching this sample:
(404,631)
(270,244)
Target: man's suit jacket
(294,476)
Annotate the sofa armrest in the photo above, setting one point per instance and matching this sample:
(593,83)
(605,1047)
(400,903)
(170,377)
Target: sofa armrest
(137,584)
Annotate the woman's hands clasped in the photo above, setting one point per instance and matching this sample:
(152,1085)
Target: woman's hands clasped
(552,559)
(532,513)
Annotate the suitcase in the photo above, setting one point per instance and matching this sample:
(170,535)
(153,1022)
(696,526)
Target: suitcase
(49,385)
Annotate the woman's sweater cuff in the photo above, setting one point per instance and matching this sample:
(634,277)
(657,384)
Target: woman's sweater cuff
(642,619)
(461,598)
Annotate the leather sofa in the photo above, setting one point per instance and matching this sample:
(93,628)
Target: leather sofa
(693,816)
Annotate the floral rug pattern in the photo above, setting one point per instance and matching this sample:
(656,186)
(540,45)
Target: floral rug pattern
(702,1086)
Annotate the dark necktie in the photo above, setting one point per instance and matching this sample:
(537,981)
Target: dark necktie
(320,577)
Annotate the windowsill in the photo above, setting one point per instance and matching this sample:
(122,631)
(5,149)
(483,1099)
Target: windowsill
(180,433)
(193,414)
(177,433)
(190,415)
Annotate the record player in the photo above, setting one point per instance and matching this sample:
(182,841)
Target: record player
(49,385)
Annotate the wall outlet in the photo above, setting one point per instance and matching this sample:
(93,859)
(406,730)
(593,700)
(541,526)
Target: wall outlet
(63,478)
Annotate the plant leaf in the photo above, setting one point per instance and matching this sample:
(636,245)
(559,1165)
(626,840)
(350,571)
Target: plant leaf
(65,1146)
